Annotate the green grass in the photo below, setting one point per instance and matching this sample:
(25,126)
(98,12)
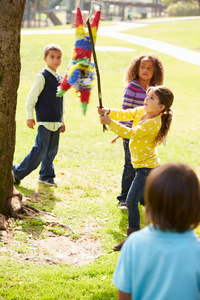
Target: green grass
(89,168)
(184,34)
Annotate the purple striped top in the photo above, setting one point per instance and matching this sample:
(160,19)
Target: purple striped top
(134,95)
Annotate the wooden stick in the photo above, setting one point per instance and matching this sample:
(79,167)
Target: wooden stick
(96,65)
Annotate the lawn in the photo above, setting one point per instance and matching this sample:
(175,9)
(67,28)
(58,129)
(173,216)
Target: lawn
(89,168)
(183,34)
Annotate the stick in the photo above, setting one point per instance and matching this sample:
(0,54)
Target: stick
(96,65)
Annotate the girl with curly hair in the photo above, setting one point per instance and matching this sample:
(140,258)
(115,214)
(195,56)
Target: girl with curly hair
(145,70)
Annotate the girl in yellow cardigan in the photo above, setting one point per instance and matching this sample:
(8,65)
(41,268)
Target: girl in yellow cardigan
(151,124)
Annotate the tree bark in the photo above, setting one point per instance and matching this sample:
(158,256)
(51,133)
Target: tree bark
(11,14)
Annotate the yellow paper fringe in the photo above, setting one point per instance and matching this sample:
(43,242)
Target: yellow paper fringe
(94,33)
(80,32)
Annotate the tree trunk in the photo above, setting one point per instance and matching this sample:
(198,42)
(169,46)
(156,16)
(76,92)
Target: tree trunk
(11,13)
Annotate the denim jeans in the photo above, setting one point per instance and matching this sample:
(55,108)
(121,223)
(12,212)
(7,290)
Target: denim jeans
(135,195)
(44,150)
(128,173)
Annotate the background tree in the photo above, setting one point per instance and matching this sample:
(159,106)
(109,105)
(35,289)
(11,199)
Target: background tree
(182,7)
(11,14)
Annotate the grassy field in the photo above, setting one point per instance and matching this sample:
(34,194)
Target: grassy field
(183,34)
(89,168)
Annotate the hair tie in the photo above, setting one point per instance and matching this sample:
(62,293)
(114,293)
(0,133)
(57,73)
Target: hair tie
(168,111)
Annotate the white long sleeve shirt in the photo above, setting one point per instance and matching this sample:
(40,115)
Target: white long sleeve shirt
(32,98)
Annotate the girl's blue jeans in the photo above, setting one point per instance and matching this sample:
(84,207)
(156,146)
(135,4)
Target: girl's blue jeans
(128,173)
(135,195)
(44,150)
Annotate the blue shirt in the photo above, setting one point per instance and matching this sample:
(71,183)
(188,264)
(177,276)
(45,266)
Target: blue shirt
(158,265)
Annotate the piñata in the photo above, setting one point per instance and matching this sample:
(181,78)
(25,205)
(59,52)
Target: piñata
(80,73)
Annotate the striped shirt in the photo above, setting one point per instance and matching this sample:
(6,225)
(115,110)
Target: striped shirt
(134,96)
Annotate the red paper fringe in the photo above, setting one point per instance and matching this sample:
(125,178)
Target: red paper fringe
(84,96)
(65,86)
(95,21)
(79,19)
(81,53)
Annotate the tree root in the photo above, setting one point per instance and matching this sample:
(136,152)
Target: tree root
(15,207)
(53,223)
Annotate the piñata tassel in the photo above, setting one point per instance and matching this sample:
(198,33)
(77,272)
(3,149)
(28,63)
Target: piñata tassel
(84,97)
(63,87)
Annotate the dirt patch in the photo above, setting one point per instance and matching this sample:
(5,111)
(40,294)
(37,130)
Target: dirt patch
(55,250)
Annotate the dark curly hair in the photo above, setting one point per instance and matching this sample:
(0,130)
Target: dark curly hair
(133,69)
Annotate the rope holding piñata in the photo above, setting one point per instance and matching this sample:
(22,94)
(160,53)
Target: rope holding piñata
(81,72)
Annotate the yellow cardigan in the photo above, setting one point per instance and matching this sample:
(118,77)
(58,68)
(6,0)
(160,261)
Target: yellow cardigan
(141,135)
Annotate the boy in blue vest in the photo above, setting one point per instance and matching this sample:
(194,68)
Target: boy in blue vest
(49,115)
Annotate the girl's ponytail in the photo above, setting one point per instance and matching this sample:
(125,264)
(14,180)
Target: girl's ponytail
(166,98)
(166,119)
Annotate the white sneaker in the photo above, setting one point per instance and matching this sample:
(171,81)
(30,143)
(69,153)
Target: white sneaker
(122,205)
(49,182)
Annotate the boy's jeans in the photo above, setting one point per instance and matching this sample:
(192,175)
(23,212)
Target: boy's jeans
(44,150)
(135,195)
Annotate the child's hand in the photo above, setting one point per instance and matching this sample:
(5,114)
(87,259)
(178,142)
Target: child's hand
(103,111)
(31,123)
(114,140)
(62,128)
(105,120)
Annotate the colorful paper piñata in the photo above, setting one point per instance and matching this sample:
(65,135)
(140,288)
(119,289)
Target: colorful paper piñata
(80,73)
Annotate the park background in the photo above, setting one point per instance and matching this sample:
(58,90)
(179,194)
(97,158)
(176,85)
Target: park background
(89,168)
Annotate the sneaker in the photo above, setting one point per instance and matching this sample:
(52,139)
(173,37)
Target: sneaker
(49,182)
(122,205)
(16,181)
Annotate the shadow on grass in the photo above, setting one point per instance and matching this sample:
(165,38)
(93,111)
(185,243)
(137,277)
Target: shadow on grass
(43,199)
(123,224)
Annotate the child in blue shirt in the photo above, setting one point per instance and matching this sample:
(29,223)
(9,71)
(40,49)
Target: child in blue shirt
(49,113)
(162,261)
